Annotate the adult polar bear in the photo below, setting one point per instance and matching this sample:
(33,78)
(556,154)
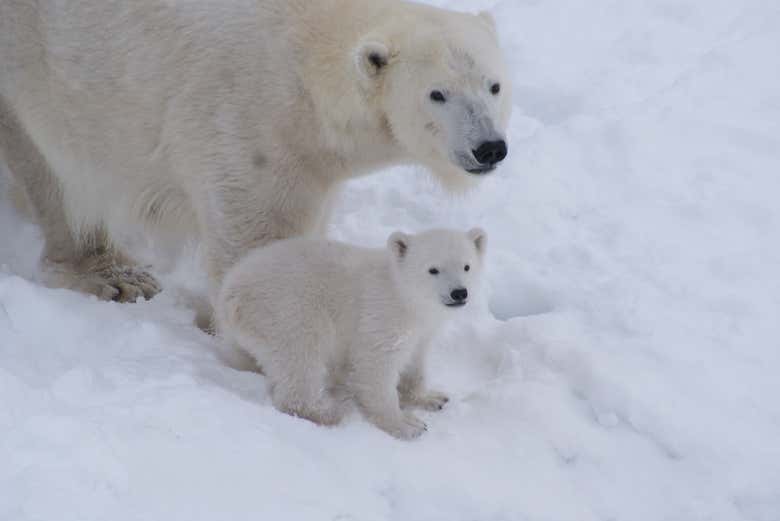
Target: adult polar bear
(231,121)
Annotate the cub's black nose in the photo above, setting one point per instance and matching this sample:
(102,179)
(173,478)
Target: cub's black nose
(490,152)
(459,295)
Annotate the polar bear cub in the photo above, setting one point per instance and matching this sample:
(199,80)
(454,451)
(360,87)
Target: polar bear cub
(330,323)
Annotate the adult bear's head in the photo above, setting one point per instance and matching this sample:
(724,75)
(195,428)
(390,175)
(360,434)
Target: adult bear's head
(443,88)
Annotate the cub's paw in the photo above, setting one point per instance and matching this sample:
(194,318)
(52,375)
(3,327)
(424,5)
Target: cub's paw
(432,401)
(329,412)
(428,400)
(407,427)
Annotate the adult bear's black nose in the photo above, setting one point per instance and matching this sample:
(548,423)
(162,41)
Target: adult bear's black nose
(490,152)
(459,295)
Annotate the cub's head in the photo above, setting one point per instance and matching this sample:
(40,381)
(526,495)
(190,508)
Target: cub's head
(440,81)
(438,271)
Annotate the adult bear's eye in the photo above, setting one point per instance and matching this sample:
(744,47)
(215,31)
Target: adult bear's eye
(438,96)
(433,271)
(466,267)
(495,88)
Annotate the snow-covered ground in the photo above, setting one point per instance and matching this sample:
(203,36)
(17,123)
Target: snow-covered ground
(628,369)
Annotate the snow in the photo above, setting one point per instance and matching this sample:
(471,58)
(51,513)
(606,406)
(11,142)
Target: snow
(624,365)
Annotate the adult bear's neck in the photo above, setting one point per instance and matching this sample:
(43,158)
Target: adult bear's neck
(352,124)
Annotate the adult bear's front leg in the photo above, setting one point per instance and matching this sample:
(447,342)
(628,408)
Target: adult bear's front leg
(243,211)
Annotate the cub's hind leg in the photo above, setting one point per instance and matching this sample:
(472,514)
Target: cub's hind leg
(306,396)
(86,261)
(300,380)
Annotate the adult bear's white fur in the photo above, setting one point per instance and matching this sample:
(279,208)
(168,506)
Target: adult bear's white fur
(326,320)
(234,121)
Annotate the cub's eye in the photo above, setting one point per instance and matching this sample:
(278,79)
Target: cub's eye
(466,267)
(433,271)
(438,96)
(495,88)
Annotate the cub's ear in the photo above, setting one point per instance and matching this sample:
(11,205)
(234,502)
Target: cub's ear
(398,244)
(479,238)
(487,18)
(371,58)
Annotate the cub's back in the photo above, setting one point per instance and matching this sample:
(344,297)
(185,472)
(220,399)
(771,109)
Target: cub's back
(298,277)
(304,259)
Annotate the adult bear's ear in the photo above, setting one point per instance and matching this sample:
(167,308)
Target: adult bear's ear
(487,18)
(479,238)
(371,58)
(398,244)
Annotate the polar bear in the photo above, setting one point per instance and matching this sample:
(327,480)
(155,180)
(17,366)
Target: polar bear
(327,322)
(230,122)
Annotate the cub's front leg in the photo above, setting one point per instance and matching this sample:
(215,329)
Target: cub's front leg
(412,391)
(374,382)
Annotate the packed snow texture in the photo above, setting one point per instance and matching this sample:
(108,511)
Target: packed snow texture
(624,366)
